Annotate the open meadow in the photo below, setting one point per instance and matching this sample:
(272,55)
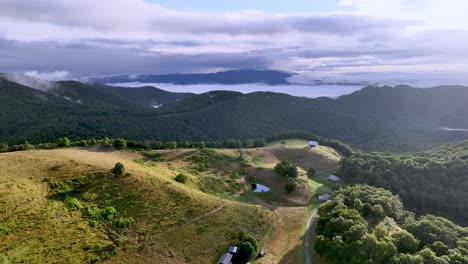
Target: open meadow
(145,216)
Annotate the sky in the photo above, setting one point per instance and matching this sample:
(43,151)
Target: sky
(417,42)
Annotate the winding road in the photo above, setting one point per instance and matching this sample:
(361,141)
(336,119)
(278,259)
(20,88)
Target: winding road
(307,241)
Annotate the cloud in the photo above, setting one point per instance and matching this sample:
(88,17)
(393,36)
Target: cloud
(50,76)
(377,37)
(139,19)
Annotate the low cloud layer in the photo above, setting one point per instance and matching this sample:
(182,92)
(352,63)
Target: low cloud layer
(371,41)
(50,76)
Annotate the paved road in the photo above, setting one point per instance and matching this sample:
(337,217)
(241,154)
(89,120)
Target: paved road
(307,241)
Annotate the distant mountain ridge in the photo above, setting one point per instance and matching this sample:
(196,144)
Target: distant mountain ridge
(98,95)
(269,77)
(398,118)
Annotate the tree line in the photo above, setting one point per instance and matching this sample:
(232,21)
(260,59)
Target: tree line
(426,184)
(364,224)
(120,143)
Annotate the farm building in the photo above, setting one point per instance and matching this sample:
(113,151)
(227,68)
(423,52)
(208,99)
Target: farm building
(233,250)
(313,144)
(324,197)
(225,259)
(261,254)
(334,178)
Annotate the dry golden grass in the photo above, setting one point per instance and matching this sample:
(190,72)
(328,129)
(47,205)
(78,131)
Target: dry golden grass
(295,151)
(285,243)
(174,223)
(277,194)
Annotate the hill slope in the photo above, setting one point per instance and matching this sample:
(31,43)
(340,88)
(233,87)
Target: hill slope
(67,202)
(146,96)
(152,215)
(391,118)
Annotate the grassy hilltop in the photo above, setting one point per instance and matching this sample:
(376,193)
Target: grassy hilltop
(63,205)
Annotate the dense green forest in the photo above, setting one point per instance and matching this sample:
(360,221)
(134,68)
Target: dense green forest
(366,224)
(434,181)
(376,118)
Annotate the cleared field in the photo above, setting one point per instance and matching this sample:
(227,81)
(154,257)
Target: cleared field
(170,222)
(284,244)
(173,223)
(296,151)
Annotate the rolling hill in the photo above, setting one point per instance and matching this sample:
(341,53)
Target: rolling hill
(397,118)
(146,96)
(64,205)
(162,211)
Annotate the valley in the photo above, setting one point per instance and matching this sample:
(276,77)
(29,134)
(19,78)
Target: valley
(399,119)
(233,132)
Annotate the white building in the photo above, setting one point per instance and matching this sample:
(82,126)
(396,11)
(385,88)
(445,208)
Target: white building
(334,178)
(313,144)
(225,259)
(233,250)
(324,197)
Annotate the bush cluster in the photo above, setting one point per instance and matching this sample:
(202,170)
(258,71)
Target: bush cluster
(284,168)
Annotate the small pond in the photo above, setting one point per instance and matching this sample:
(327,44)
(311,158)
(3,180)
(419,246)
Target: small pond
(256,187)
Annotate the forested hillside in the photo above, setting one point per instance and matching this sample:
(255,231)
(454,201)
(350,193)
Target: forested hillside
(365,224)
(145,96)
(434,181)
(376,118)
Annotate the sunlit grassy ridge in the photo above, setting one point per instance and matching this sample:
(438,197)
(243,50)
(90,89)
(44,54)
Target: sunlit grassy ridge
(173,223)
(145,216)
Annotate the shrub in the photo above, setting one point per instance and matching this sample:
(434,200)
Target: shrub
(119,169)
(25,146)
(94,223)
(247,251)
(94,212)
(60,187)
(63,142)
(3,147)
(123,222)
(182,178)
(248,248)
(156,145)
(120,143)
(311,173)
(92,246)
(108,213)
(89,196)
(171,145)
(201,145)
(81,143)
(249,238)
(290,187)
(44,146)
(73,203)
(202,229)
(105,142)
(285,168)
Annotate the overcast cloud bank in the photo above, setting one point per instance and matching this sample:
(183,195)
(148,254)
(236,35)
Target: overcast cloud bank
(377,41)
